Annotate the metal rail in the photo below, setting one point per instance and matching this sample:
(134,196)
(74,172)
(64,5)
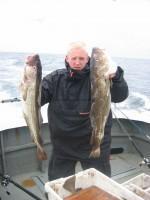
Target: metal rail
(10,100)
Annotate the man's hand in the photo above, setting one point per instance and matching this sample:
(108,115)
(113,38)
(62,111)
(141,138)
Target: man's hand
(112,70)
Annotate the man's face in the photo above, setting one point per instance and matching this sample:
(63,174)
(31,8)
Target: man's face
(77,58)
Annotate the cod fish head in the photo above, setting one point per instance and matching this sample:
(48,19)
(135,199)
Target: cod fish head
(98,57)
(33,66)
(32,60)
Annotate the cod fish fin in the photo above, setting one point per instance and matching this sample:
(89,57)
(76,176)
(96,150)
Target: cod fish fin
(24,90)
(69,184)
(23,86)
(41,154)
(26,119)
(95,142)
(39,96)
(40,118)
(95,153)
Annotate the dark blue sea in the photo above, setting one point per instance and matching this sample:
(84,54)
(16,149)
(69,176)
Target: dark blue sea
(136,73)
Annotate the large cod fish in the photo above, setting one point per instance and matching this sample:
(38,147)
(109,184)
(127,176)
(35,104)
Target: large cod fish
(100,97)
(31,94)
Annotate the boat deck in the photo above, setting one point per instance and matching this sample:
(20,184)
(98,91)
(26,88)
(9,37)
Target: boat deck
(124,167)
(18,157)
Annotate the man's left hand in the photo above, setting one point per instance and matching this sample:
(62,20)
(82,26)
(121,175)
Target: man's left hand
(112,71)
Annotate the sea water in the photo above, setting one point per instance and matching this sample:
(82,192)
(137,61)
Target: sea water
(136,73)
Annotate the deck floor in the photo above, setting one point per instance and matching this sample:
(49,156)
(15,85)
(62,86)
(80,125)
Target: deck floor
(124,167)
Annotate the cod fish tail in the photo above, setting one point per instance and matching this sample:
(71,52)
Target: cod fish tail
(41,154)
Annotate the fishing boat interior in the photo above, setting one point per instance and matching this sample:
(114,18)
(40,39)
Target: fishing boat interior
(23,176)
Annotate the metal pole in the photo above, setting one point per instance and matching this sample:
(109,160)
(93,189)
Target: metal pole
(2,153)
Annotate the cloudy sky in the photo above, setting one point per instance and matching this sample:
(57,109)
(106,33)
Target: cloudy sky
(121,26)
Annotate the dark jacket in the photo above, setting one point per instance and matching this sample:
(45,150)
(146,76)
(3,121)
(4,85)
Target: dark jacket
(68,94)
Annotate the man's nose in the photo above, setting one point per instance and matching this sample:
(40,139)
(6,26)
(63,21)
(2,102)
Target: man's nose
(77,61)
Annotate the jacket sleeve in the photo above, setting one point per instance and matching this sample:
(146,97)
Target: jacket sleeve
(46,89)
(119,89)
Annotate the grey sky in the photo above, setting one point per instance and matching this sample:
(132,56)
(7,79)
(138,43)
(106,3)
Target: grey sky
(121,26)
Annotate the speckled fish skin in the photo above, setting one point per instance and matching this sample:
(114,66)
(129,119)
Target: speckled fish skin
(100,98)
(31,95)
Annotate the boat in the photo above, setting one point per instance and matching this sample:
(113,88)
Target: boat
(23,176)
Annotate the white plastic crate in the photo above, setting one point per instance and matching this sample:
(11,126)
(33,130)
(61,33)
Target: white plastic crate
(140,185)
(85,179)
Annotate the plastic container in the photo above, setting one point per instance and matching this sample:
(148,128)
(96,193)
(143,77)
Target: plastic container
(90,177)
(140,185)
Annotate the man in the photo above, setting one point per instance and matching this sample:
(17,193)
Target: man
(68,93)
